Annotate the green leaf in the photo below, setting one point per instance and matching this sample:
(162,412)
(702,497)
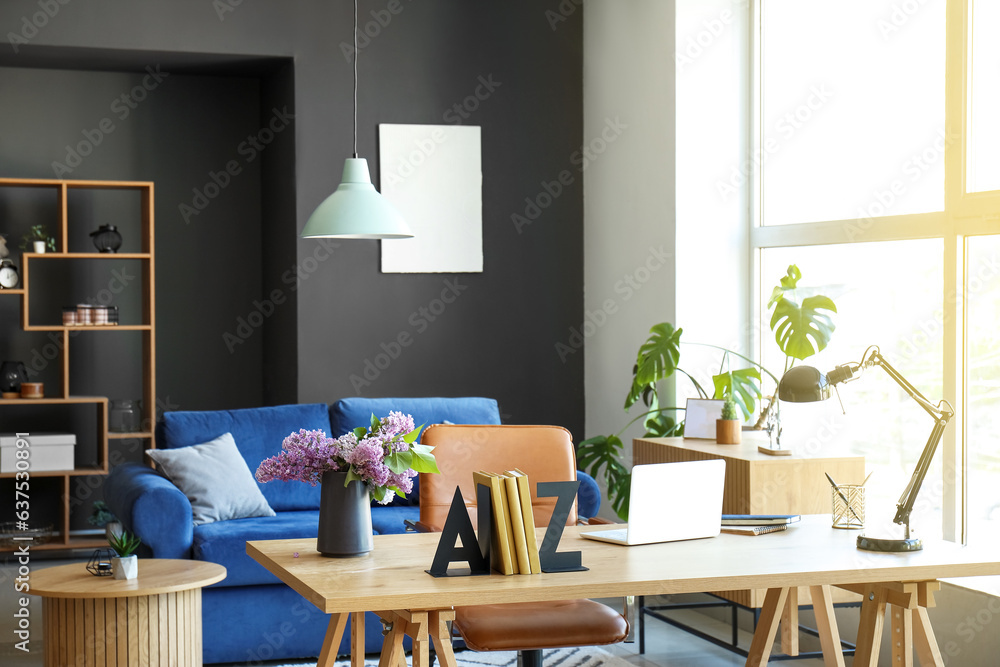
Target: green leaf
(791,278)
(657,359)
(603,452)
(412,436)
(399,462)
(378,493)
(352,476)
(360,432)
(375,424)
(423,459)
(662,425)
(743,385)
(803,330)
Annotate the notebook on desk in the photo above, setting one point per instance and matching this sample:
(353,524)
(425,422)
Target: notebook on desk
(670,502)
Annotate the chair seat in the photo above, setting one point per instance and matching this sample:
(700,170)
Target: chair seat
(537,625)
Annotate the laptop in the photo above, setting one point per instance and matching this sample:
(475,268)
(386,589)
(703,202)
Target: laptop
(671,502)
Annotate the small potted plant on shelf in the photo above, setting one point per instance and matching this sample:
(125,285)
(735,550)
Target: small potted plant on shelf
(727,429)
(125,565)
(38,240)
(102,517)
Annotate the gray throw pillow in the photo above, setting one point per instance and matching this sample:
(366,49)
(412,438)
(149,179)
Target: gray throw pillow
(215,478)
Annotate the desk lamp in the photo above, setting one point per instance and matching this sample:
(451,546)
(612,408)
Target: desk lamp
(805,384)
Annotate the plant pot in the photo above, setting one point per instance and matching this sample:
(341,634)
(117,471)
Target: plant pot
(345,517)
(728,431)
(125,568)
(39,247)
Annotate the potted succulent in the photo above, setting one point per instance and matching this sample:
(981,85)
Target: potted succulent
(125,565)
(38,240)
(102,517)
(727,429)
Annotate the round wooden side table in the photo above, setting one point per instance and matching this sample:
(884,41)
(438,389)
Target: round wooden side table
(154,619)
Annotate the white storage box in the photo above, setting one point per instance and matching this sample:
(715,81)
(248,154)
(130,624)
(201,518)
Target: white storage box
(48,451)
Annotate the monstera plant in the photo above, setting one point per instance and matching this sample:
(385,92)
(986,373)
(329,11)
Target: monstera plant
(801,326)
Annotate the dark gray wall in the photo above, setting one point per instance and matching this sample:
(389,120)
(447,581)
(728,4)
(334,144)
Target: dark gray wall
(496,339)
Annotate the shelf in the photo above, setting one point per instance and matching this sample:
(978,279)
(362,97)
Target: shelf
(87,255)
(85,470)
(89,327)
(55,183)
(113,435)
(52,400)
(57,543)
(17,290)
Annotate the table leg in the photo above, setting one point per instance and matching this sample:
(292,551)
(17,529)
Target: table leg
(924,642)
(357,639)
(790,623)
(870,627)
(392,645)
(826,626)
(442,636)
(767,626)
(331,642)
(901,632)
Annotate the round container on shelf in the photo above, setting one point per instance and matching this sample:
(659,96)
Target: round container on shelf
(123,416)
(112,314)
(69,316)
(32,390)
(84,314)
(99,315)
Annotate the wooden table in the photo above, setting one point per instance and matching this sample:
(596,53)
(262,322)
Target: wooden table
(154,619)
(391,581)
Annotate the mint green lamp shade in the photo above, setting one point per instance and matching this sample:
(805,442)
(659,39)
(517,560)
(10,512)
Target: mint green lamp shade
(356,210)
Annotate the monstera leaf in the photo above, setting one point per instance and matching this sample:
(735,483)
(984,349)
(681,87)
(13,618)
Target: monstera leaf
(662,425)
(657,360)
(743,385)
(800,329)
(604,451)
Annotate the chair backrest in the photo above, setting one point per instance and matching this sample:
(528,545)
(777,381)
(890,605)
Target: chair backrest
(544,453)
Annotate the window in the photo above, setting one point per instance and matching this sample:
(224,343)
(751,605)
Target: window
(879,177)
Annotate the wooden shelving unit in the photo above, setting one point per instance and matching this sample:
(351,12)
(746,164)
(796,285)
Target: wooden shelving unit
(146,328)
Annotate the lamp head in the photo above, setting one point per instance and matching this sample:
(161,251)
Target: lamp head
(803,384)
(356,210)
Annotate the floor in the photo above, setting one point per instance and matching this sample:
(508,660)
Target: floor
(666,646)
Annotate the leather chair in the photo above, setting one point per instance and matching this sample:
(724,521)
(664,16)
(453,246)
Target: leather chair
(545,454)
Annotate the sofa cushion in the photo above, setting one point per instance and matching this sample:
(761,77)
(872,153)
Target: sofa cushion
(215,479)
(258,433)
(224,542)
(349,413)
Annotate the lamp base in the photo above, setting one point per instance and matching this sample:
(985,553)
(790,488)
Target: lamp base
(889,545)
(771,451)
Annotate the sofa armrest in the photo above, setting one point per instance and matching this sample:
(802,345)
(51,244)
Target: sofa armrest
(150,506)
(588,497)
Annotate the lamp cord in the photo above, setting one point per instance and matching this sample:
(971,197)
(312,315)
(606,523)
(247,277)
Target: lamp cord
(355,78)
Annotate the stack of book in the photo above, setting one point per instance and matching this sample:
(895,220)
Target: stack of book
(757,524)
(514,545)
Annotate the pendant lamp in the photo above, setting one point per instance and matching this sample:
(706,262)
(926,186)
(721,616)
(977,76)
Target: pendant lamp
(356,210)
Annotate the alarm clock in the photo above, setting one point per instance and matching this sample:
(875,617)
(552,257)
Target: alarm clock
(8,274)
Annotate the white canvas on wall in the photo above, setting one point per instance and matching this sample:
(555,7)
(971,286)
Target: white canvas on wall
(433,175)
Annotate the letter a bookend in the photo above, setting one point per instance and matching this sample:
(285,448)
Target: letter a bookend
(551,560)
(475,551)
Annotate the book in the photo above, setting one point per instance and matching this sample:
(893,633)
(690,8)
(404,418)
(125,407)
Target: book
(755,530)
(502,559)
(517,523)
(759,519)
(524,494)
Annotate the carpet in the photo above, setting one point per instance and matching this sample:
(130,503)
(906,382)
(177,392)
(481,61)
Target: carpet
(588,656)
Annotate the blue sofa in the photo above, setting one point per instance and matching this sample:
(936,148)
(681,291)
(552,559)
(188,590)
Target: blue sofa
(251,616)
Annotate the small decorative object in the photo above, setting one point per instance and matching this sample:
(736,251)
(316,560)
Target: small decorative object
(125,565)
(123,416)
(12,374)
(32,390)
(99,564)
(102,517)
(38,240)
(84,314)
(4,251)
(107,238)
(69,316)
(8,274)
(378,460)
(727,429)
(848,506)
